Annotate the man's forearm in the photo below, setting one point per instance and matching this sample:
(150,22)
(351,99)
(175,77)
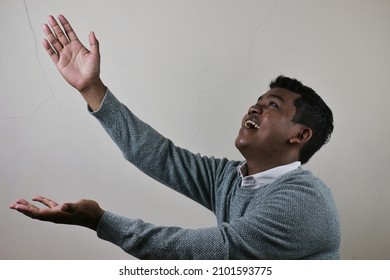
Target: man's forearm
(147,241)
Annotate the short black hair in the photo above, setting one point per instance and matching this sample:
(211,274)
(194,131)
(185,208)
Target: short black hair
(312,112)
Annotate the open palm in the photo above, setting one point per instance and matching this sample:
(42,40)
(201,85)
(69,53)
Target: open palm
(84,212)
(79,66)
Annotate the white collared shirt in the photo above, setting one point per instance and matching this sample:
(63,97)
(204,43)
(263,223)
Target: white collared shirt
(264,178)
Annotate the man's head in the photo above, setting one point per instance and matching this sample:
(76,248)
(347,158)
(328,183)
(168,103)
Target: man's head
(312,112)
(289,122)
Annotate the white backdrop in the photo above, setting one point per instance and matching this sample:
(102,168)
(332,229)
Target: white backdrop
(190,68)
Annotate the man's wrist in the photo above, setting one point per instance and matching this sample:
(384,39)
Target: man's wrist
(97,219)
(94,95)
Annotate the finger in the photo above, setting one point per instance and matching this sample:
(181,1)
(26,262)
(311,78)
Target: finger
(15,204)
(23,206)
(44,200)
(31,208)
(50,51)
(58,32)
(52,39)
(68,28)
(94,43)
(69,207)
(22,201)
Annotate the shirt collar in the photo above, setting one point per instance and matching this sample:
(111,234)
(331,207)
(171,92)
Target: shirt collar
(266,177)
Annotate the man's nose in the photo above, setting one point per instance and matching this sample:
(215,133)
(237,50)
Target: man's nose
(255,109)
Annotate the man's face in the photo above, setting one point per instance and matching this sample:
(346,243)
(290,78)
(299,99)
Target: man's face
(267,127)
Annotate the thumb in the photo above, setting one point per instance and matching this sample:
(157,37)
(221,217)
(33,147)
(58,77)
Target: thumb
(69,207)
(94,43)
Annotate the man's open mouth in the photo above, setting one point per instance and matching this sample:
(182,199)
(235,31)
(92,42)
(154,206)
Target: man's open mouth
(251,124)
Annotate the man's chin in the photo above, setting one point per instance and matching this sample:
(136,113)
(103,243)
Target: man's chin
(241,145)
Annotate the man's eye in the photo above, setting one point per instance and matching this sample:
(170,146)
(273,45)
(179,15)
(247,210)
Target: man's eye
(273,104)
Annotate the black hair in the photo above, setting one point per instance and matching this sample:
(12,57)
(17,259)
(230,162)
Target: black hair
(312,112)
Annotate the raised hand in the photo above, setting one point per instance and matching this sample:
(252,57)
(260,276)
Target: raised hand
(79,66)
(85,213)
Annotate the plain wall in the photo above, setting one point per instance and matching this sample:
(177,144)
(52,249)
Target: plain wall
(191,69)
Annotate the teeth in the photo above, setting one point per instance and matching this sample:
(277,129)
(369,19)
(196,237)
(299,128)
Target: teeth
(251,124)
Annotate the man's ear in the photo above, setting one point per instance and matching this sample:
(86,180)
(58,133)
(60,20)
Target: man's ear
(303,135)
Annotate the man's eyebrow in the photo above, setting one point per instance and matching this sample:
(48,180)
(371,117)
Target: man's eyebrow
(272,95)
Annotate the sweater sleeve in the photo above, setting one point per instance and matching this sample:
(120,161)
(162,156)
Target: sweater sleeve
(147,241)
(236,240)
(191,174)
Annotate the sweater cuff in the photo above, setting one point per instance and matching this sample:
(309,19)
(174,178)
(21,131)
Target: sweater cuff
(108,104)
(113,227)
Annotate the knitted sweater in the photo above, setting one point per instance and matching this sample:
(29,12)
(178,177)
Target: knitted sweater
(292,218)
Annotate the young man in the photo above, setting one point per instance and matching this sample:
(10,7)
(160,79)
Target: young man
(267,207)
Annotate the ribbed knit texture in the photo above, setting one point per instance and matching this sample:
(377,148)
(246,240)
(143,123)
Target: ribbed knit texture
(293,218)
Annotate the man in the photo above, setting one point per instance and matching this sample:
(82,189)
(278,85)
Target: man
(267,207)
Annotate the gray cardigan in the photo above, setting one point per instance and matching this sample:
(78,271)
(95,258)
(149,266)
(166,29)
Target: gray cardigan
(292,218)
